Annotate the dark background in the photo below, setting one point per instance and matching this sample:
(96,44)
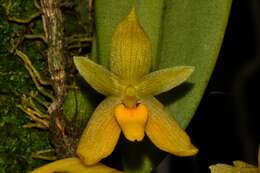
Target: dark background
(226,124)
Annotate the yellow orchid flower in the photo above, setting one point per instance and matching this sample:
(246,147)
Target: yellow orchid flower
(239,167)
(73,165)
(130,106)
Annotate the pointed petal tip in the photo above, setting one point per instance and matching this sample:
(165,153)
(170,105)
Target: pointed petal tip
(188,152)
(78,61)
(132,14)
(192,68)
(186,72)
(88,161)
(78,58)
(189,70)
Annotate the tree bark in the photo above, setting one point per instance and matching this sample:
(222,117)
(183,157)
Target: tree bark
(54,33)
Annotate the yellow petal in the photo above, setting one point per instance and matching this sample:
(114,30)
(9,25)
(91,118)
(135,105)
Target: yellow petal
(101,134)
(224,168)
(241,164)
(132,121)
(163,80)
(73,165)
(131,49)
(165,132)
(98,77)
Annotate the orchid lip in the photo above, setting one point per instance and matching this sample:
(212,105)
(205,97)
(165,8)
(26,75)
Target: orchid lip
(132,121)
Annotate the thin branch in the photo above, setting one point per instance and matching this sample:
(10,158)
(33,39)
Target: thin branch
(45,155)
(49,158)
(30,103)
(35,37)
(24,21)
(34,74)
(78,38)
(42,102)
(36,4)
(33,117)
(28,62)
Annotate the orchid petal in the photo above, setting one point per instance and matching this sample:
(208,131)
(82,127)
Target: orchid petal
(101,134)
(165,132)
(241,164)
(73,165)
(224,168)
(163,80)
(131,49)
(101,79)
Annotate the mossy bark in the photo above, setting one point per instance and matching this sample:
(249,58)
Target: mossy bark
(49,42)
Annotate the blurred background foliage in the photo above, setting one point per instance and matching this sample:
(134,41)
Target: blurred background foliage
(17,144)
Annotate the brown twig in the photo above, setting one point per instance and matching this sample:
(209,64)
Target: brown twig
(53,27)
(40,37)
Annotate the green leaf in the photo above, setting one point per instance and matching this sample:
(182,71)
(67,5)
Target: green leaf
(181,33)
(192,35)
